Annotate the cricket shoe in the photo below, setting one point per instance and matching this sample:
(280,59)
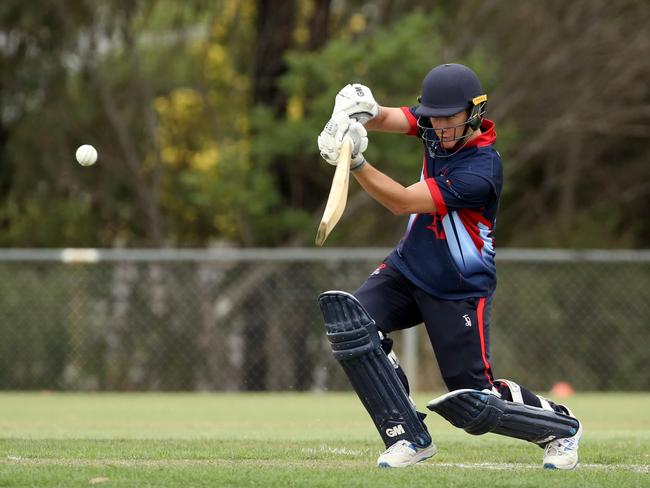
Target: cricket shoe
(405,453)
(563,453)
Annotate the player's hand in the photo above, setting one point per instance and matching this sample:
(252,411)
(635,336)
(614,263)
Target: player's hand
(331,138)
(357,101)
(359,136)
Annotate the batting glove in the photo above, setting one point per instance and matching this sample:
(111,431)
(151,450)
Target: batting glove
(331,138)
(357,101)
(359,136)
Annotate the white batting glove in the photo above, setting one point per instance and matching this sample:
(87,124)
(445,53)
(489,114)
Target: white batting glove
(357,101)
(331,138)
(359,136)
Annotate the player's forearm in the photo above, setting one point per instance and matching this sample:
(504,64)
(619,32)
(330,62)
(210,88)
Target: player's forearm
(389,119)
(382,188)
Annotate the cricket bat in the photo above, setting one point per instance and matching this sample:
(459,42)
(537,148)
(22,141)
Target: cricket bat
(338,194)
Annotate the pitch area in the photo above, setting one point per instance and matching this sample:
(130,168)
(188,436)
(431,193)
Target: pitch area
(165,440)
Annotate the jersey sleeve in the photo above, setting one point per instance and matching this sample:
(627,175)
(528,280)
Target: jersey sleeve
(461,190)
(413,121)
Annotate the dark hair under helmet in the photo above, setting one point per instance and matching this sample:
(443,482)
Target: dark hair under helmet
(448,89)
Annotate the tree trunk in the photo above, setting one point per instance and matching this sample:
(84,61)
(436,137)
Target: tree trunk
(319,25)
(275,26)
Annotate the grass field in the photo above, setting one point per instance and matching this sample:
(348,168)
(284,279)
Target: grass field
(266,440)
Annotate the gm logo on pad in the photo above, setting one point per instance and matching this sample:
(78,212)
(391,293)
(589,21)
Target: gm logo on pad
(393,431)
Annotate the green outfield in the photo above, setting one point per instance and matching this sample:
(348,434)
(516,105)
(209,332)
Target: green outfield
(77,439)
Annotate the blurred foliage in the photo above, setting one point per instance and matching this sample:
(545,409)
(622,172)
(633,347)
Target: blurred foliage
(205,115)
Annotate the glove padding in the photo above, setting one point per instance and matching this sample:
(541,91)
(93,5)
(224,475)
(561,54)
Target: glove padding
(357,102)
(359,136)
(331,139)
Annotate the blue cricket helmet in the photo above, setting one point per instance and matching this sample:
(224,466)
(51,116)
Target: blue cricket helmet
(448,89)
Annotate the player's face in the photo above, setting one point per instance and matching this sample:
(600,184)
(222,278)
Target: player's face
(449,129)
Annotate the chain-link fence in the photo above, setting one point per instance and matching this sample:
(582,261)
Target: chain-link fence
(249,319)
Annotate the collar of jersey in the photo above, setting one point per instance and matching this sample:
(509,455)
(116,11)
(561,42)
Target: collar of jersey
(487,137)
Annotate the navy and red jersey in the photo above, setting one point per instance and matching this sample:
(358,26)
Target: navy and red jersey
(450,253)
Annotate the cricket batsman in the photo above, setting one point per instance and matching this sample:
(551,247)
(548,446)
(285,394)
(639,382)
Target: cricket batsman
(442,273)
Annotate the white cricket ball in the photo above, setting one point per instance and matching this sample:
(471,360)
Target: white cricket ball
(86,155)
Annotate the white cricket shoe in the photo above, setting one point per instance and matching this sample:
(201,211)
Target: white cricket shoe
(563,453)
(405,453)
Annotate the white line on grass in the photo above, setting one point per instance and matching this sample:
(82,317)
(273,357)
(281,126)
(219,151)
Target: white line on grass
(10,459)
(324,448)
(638,468)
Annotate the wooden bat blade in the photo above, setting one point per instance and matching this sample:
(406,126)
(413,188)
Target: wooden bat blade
(338,194)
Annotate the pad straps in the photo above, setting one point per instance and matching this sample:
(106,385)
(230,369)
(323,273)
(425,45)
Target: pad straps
(517,396)
(515,390)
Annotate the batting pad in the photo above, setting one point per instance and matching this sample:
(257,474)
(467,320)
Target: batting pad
(355,344)
(479,412)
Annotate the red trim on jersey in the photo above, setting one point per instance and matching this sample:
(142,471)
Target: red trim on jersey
(480,310)
(438,201)
(413,122)
(488,135)
(470,220)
